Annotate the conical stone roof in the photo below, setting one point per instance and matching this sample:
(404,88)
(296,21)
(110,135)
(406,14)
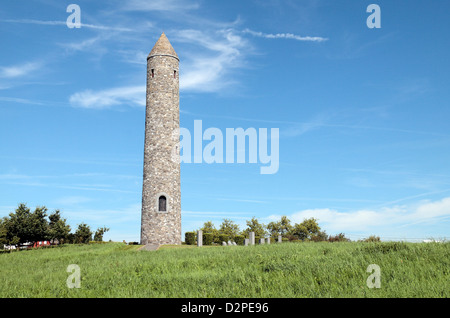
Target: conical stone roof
(163,47)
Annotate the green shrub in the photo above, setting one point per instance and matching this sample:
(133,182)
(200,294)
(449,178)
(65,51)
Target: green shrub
(385,247)
(372,238)
(190,238)
(208,238)
(223,238)
(338,238)
(291,238)
(97,242)
(239,239)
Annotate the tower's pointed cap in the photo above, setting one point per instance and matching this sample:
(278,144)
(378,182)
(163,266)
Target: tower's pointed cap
(163,47)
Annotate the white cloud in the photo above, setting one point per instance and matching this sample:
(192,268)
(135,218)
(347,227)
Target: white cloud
(216,55)
(431,210)
(132,95)
(19,70)
(64,23)
(364,220)
(81,45)
(159,5)
(20,100)
(285,36)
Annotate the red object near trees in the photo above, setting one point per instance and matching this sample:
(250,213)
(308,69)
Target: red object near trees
(41,243)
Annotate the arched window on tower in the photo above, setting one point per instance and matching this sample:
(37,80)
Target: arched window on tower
(162,204)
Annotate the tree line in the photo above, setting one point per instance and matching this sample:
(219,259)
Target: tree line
(25,226)
(308,230)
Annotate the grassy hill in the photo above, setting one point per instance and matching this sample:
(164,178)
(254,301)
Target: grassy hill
(276,270)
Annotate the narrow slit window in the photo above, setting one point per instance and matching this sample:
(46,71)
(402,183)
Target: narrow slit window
(162,206)
(174,74)
(153,72)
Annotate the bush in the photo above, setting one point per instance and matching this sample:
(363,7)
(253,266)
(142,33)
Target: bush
(97,242)
(338,238)
(208,238)
(223,238)
(319,237)
(190,238)
(384,247)
(290,238)
(372,238)
(239,239)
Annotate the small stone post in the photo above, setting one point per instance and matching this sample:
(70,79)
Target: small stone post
(199,238)
(246,242)
(279,239)
(252,238)
(261,240)
(268,240)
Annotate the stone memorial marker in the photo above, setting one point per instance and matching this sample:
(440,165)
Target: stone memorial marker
(199,238)
(252,238)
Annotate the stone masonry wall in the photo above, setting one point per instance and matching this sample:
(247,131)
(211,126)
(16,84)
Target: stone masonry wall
(161,173)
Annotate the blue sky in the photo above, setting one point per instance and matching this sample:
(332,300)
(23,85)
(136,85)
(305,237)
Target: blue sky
(363,113)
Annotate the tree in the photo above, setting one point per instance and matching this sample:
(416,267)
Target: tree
(282,227)
(300,231)
(26,226)
(98,236)
(229,228)
(254,226)
(18,224)
(58,229)
(308,229)
(39,229)
(208,227)
(285,225)
(274,228)
(3,232)
(83,234)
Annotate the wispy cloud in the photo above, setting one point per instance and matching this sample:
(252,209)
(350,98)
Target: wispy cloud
(64,23)
(215,55)
(131,95)
(388,217)
(129,213)
(60,181)
(285,36)
(20,100)
(19,70)
(159,5)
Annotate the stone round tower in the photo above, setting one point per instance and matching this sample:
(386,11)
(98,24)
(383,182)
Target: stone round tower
(161,204)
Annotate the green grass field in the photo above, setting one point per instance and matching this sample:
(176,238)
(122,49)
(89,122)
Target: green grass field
(276,270)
